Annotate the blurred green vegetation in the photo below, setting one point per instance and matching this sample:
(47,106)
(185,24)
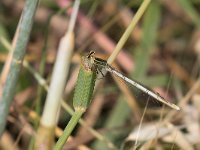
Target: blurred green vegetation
(166,32)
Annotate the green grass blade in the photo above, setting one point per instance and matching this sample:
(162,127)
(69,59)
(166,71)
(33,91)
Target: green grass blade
(190,10)
(18,55)
(150,27)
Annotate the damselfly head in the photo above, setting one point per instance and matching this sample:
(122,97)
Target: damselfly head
(88,61)
(91,54)
(91,57)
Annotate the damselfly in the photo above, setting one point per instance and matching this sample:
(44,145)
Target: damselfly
(98,64)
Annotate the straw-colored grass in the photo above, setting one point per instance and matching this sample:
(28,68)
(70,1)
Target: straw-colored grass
(153,42)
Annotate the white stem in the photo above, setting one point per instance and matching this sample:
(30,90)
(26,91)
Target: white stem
(56,88)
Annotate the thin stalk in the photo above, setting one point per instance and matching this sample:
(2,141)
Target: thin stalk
(18,55)
(128,31)
(68,129)
(74,16)
(96,134)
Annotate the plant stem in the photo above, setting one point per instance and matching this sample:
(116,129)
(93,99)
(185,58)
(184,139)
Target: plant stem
(68,129)
(128,31)
(18,55)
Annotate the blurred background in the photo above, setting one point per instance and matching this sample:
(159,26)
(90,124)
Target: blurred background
(162,53)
